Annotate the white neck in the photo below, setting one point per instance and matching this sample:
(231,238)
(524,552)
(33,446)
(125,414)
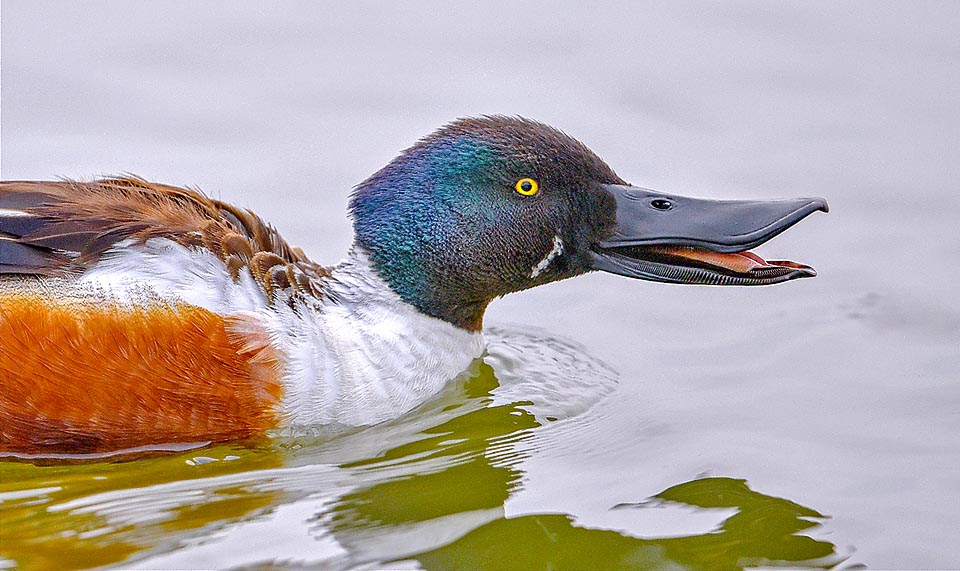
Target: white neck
(364,355)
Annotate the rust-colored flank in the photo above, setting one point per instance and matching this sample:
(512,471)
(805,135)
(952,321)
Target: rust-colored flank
(82,376)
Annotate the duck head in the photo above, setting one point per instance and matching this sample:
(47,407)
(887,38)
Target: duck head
(488,206)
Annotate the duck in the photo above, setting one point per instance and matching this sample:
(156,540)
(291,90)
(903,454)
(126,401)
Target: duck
(136,314)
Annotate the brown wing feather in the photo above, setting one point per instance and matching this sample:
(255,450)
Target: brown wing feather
(62,228)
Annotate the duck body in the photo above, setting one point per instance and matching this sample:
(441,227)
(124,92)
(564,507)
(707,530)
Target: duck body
(136,314)
(158,341)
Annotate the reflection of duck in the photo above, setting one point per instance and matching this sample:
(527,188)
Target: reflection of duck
(451,514)
(763,532)
(133,313)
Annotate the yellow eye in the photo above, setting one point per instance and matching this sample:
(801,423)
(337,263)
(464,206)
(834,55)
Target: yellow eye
(527,186)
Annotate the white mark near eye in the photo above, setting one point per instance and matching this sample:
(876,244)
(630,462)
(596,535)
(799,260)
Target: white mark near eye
(545,262)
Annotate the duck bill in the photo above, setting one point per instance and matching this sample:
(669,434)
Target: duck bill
(675,239)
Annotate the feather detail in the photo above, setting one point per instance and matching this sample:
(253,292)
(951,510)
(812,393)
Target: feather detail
(85,376)
(60,229)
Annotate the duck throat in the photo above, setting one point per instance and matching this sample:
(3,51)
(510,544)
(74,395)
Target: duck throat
(437,284)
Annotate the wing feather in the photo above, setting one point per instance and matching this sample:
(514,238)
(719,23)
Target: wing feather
(62,228)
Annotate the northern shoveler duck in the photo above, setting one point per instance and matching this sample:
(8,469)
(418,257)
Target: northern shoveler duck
(134,313)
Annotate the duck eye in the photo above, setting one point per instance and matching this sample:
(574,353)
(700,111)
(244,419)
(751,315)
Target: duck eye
(527,186)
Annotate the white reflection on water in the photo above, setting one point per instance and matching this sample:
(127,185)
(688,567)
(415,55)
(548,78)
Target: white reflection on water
(558,377)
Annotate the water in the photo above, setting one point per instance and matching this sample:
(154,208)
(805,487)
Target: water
(808,424)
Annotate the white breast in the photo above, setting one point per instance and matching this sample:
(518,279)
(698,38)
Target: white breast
(358,356)
(367,355)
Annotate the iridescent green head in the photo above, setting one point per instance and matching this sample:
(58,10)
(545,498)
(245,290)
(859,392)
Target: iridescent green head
(481,208)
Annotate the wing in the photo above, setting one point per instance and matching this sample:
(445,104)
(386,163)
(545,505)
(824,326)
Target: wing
(59,229)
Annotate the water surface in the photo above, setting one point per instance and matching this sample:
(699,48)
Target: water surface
(810,424)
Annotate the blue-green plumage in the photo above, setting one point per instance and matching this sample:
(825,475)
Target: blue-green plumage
(446,228)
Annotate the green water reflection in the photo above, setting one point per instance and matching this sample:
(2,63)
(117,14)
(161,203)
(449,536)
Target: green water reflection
(761,534)
(429,488)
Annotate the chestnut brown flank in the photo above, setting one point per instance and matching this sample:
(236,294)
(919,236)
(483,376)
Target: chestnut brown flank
(76,378)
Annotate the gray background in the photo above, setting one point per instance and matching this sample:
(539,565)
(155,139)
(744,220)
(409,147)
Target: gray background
(840,393)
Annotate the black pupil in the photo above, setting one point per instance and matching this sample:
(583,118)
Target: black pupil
(526,185)
(661,204)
